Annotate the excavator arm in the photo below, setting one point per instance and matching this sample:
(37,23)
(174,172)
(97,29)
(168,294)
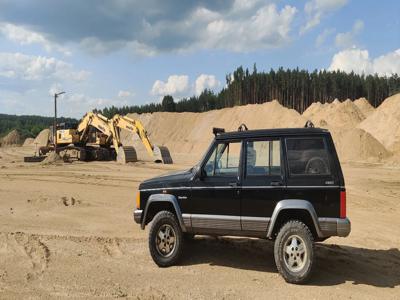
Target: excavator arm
(99,122)
(159,153)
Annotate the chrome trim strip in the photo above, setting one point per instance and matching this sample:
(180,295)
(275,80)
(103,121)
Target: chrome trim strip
(258,224)
(187,221)
(311,186)
(197,222)
(215,222)
(166,188)
(251,187)
(243,187)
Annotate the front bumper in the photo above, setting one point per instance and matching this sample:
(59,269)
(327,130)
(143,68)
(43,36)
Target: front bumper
(137,216)
(335,226)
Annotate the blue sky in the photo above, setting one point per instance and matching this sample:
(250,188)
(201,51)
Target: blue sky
(133,52)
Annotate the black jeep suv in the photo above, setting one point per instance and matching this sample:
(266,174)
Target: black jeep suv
(280,184)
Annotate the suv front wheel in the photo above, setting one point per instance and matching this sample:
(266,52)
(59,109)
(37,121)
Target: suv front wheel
(165,239)
(294,252)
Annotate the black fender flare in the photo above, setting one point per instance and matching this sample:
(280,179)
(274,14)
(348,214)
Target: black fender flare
(290,204)
(157,198)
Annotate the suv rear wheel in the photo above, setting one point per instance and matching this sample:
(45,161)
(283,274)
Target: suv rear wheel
(165,239)
(294,252)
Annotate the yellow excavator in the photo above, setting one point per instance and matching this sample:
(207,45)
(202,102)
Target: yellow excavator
(91,139)
(99,138)
(160,154)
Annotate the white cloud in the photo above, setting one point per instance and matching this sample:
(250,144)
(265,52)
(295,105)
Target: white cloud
(143,28)
(358,60)
(30,67)
(267,28)
(347,39)
(205,81)
(124,94)
(316,9)
(23,36)
(321,38)
(176,85)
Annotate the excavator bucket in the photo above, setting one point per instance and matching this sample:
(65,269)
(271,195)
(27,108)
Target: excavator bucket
(162,155)
(126,154)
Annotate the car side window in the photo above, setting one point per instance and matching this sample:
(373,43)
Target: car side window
(263,158)
(224,161)
(308,156)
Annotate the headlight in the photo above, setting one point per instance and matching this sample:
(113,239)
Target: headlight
(138,200)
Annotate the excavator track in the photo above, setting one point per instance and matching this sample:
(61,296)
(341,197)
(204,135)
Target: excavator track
(162,155)
(126,154)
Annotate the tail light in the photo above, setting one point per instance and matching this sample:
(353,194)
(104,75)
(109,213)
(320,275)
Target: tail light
(138,200)
(343,204)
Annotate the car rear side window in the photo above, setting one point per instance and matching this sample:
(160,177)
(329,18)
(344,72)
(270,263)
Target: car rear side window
(263,158)
(307,156)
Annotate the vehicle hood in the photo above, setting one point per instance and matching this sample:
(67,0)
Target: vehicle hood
(180,178)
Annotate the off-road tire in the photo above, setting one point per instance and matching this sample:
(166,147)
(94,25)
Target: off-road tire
(288,230)
(161,219)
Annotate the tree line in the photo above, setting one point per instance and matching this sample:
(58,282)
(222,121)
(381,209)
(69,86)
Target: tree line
(27,126)
(293,88)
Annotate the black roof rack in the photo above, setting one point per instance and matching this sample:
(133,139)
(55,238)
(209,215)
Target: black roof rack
(270,132)
(243,127)
(217,130)
(309,124)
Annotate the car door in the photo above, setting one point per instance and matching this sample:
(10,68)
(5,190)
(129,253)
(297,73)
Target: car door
(215,202)
(311,174)
(262,184)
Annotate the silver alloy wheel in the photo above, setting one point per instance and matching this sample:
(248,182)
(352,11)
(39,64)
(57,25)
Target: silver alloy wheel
(295,253)
(165,240)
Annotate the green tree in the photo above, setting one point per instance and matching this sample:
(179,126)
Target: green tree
(168,103)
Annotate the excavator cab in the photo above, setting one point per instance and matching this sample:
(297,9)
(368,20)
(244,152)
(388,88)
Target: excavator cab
(66,134)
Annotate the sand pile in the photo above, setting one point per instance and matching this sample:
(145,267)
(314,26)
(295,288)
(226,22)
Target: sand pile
(384,123)
(334,115)
(52,158)
(28,142)
(13,138)
(364,106)
(342,119)
(355,144)
(42,139)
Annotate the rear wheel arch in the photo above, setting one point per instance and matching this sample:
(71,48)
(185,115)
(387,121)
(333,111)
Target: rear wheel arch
(301,210)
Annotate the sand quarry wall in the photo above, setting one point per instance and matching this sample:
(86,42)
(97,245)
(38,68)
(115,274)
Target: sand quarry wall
(356,139)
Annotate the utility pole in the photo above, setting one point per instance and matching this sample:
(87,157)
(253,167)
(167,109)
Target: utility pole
(55,120)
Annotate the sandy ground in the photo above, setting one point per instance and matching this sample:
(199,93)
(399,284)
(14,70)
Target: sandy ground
(67,231)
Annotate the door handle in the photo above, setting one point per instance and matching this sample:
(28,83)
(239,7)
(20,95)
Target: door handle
(233,184)
(276,183)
